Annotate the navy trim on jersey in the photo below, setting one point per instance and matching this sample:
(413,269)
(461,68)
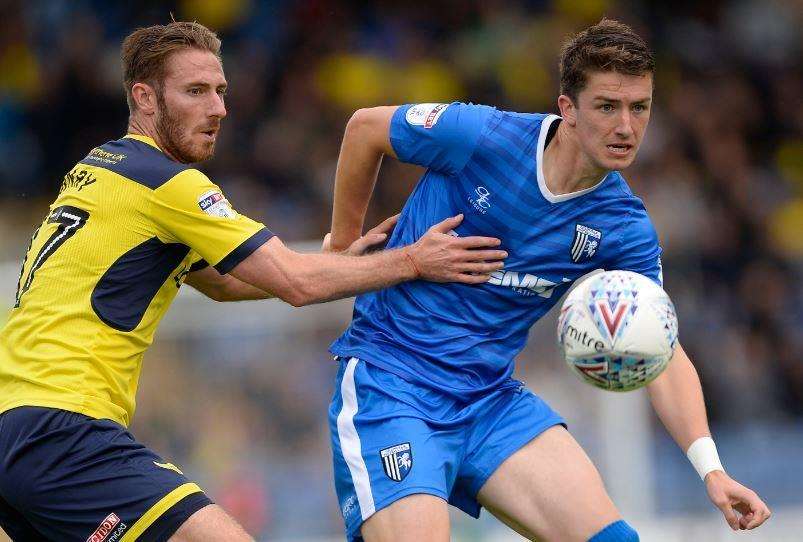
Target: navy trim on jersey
(168,523)
(245,249)
(125,291)
(135,160)
(197,266)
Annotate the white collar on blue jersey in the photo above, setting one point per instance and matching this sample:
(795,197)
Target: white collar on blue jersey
(549,196)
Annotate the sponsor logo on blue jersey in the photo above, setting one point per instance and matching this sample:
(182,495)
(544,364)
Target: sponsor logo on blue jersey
(481,200)
(524,283)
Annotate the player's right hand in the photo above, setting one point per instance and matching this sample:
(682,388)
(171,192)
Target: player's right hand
(441,257)
(730,497)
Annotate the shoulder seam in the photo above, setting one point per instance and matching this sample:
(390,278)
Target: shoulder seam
(141,163)
(485,128)
(181,173)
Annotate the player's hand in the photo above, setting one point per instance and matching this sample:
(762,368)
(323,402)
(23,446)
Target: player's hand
(441,257)
(731,497)
(373,239)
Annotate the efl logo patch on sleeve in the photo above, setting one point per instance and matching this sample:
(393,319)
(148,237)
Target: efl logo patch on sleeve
(215,203)
(425,115)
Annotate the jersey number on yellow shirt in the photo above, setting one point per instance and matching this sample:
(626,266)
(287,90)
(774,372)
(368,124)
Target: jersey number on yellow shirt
(70,220)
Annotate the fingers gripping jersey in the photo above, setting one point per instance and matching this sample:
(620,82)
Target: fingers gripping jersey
(126,228)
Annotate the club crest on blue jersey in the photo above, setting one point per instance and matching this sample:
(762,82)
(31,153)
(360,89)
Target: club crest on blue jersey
(585,243)
(397,461)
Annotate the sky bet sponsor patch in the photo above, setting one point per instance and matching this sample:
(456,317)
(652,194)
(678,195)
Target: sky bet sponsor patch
(425,115)
(214,203)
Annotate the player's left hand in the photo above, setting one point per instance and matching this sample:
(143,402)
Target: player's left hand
(372,239)
(731,497)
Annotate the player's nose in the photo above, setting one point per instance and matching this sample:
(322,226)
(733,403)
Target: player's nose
(218,107)
(624,128)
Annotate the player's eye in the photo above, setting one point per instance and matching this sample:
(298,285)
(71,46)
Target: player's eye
(606,108)
(195,91)
(221,92)
(639,108)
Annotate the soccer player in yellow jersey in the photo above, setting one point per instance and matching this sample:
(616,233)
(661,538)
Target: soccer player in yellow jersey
(132,221)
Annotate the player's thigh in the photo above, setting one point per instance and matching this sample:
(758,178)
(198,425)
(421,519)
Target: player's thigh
(79,478)
(411,519)
(385,450)
(15,526)
(210,524)
(550,491)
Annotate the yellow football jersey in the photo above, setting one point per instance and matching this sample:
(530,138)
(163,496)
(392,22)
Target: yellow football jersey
(101,271)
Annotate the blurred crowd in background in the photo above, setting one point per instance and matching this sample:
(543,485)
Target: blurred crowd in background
(720,171)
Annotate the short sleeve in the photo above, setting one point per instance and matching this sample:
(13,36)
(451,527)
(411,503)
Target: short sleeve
(438,136)
(198,265)
(192,210)
(639,250)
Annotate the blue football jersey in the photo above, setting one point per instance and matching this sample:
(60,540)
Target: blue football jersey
(487,164)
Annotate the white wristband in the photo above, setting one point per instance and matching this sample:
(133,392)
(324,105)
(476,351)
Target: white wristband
(704,457)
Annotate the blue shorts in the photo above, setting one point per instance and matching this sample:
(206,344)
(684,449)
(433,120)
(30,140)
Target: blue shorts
(392,438)
(67,477)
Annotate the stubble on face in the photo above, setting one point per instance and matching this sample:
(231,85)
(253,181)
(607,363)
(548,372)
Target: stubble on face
(599,131)
(174,137)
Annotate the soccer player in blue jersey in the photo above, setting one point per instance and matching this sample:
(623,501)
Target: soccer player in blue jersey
(425,410)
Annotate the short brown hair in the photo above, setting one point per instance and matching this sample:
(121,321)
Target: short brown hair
(146,50)
(607,46)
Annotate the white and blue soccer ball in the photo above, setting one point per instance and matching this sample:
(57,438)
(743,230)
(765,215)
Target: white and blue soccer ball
(618,330)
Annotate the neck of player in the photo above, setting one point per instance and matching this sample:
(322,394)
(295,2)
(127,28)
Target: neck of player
(146,127)
(566,167)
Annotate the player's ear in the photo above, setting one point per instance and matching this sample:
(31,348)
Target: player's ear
(144,97)
(567,109)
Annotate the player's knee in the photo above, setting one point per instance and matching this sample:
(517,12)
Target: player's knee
(618,531)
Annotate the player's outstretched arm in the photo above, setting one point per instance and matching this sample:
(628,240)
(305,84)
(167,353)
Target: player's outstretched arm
(365,141)
(304,279)
(225,287)
(677,398)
